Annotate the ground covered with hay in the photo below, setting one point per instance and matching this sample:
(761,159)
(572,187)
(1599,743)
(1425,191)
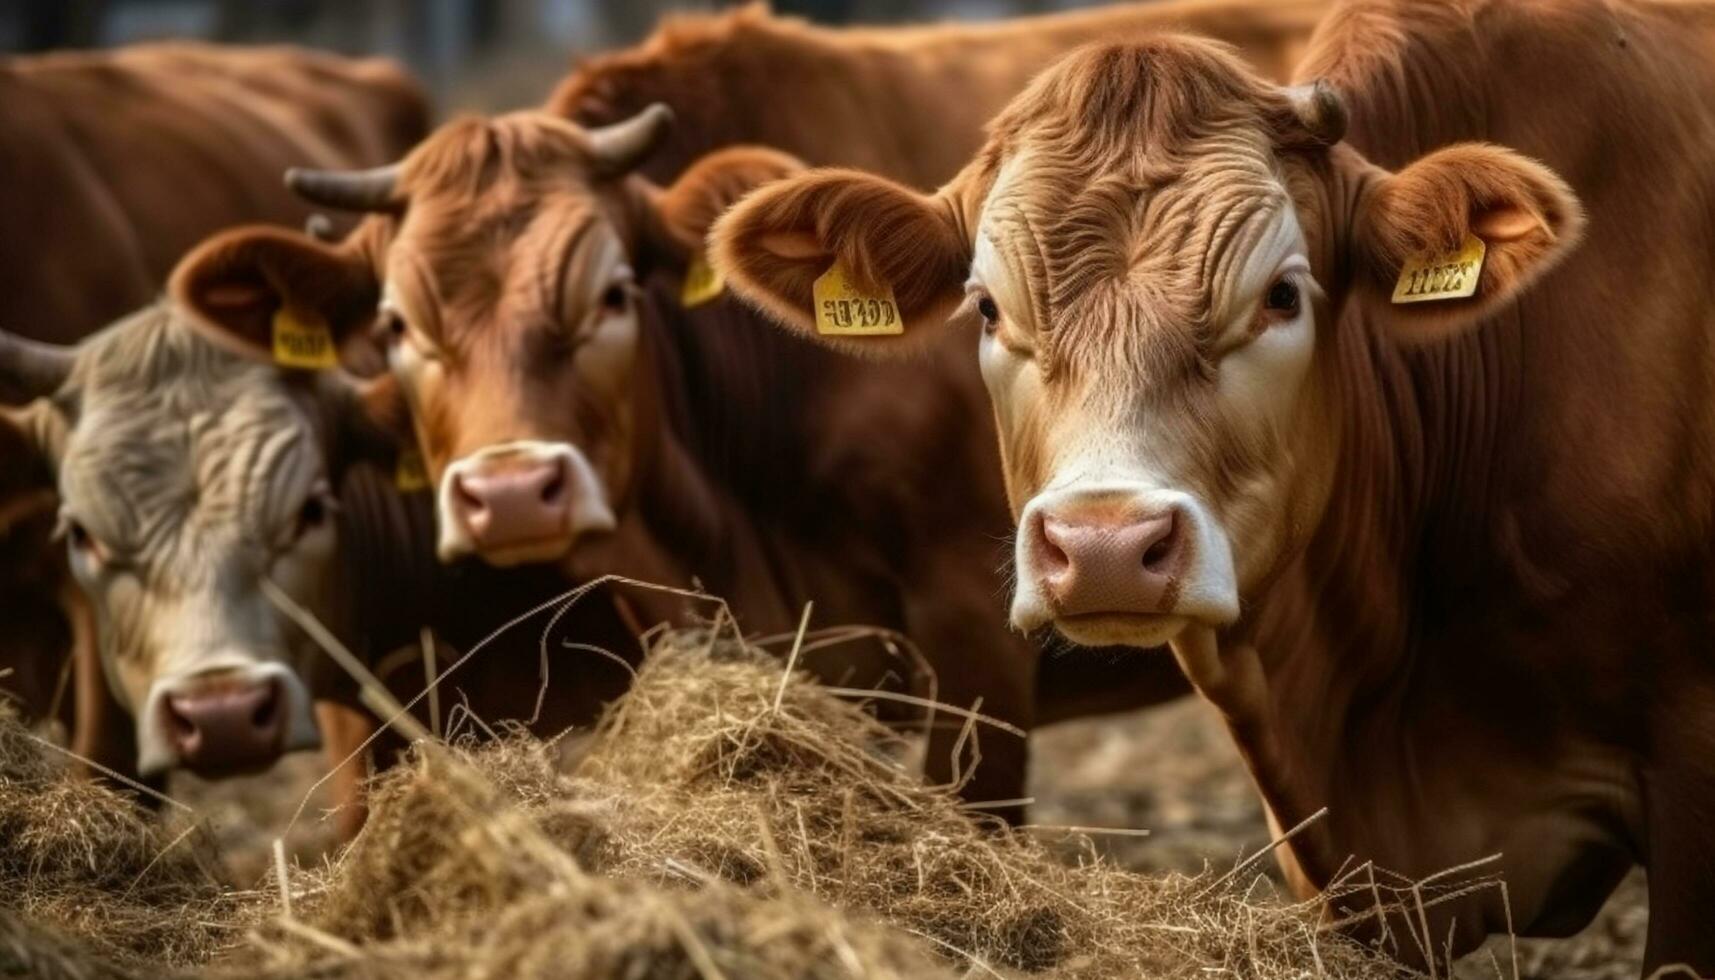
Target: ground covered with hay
(722,822)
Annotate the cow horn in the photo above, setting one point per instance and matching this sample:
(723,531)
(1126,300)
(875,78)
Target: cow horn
(620,147)
(30,369)
(1320,110)
(348,190)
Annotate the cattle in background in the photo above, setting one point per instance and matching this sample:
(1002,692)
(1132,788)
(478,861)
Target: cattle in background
(114,163)
(571,411)
(111,166)
(188,476)
(908,101)
(1443,561)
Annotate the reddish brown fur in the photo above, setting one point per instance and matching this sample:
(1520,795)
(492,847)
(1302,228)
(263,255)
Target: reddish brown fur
(112,165)
(493,212)
(1493,635)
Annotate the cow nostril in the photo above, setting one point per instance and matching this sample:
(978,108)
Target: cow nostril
(182,727)
(553,488)
(1160,551)
(1049,552)
(467,499)
(1157,552)
(264,715)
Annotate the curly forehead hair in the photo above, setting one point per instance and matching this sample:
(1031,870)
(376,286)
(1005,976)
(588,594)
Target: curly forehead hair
(1138,166)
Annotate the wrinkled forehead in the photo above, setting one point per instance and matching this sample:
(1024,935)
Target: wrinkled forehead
(1083,243)
(138,465)
(519,250)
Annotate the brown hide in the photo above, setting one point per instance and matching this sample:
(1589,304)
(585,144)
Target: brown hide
(1467,542)
(112,164)
(768,471)
(907,101)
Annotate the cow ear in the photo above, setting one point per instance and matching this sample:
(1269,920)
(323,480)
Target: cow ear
(237,283)
(1419,231)
(886,240)
(679,217)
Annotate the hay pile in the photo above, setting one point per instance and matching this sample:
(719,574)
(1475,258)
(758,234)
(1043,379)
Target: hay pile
(721,824)
(91,885)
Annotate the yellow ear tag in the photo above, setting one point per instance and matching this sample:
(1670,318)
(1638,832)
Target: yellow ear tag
(844,310)
(1449,275)
(702,283)
(409,473)
(303,341)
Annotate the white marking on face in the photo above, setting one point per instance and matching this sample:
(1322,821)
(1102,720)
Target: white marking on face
(1100,458)
(585,511)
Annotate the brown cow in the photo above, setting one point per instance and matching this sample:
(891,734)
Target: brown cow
(570,410)
(111,165)
(1444,563)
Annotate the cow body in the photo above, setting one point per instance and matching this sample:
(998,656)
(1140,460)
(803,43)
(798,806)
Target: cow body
(906,101)
(1440,564)
(571,411)
(112,165)
(115,163)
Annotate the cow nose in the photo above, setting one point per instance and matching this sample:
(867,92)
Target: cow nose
(513,502)
(1092,565)
(227,727)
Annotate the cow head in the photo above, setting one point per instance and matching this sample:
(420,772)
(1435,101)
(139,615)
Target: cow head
(1155,248)
(186,476)
(510,304)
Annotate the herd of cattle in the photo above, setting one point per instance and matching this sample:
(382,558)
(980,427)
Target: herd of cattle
(1357,360)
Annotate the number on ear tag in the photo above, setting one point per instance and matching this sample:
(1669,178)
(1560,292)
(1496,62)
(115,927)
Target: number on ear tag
(702,283)
(1448,275)
(302,341)
(844,310)
(409,473)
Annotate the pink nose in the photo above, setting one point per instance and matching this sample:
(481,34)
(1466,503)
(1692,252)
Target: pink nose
(1090,564)
(513,502)
(227,727)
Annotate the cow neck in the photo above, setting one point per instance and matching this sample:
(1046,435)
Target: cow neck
(714,426)
(1338,635)
(1333,633)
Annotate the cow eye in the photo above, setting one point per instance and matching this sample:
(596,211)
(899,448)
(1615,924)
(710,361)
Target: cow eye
(990,312)
(83,543)
(313,514)
(79,536)
(1282,297)
(390,327)
(614,298)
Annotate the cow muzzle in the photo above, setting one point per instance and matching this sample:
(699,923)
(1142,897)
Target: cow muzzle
(1120,565)
(519,503)
(224,721)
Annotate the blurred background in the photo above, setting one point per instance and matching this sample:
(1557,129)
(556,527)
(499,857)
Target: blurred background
(472,54)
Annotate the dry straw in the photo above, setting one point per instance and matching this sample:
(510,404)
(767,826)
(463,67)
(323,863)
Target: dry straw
(718,824)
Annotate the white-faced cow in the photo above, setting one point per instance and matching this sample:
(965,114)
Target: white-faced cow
(188,477)
(112,164)
(571,411)
(1417,488)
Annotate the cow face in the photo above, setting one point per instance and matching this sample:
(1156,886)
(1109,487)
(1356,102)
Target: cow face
(510,307)
(1154,249)
(187,476)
